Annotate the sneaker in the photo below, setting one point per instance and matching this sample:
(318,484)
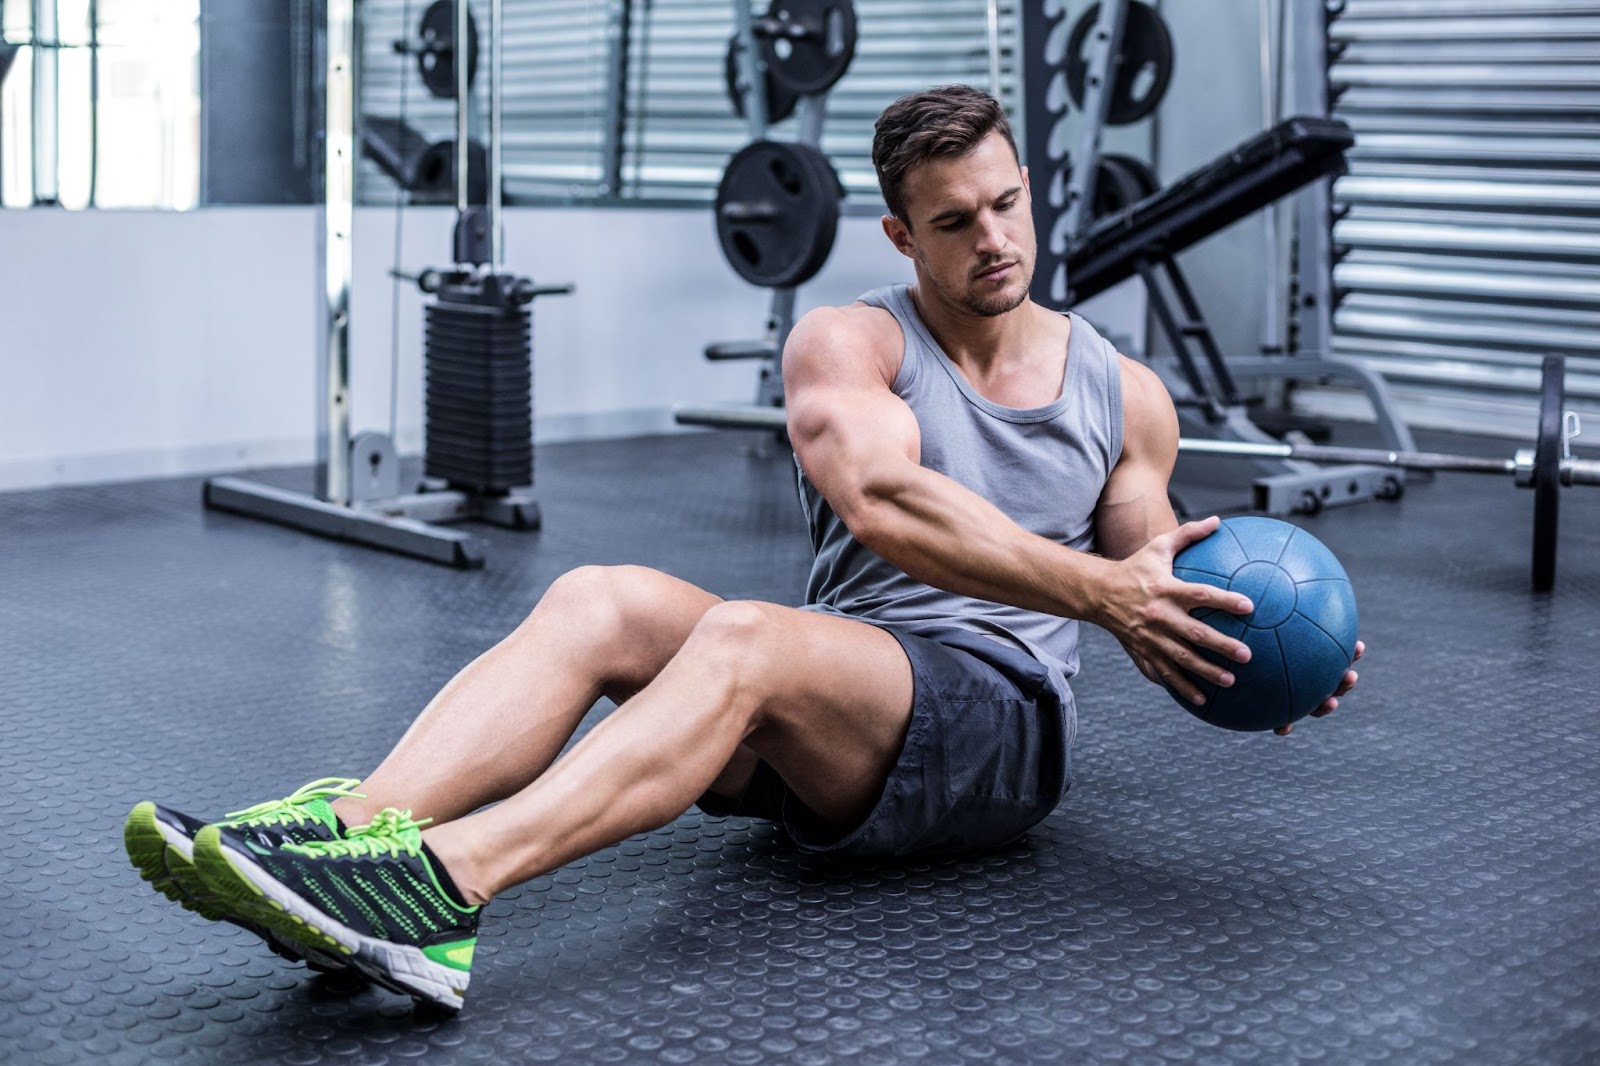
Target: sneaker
(160,843)
(378,898)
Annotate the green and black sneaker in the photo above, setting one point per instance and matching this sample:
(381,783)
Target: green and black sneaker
(378,898)
(160,843)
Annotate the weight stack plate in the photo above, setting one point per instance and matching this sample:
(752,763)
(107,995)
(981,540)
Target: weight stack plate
(478,396)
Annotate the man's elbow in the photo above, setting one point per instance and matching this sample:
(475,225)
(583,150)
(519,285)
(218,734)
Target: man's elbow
(871,511)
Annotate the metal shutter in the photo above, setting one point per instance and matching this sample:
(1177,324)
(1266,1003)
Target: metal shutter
(1471,213)
(678,127)
(556,62)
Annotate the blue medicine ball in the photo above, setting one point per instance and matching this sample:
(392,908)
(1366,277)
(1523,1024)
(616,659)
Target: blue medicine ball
(1302,633)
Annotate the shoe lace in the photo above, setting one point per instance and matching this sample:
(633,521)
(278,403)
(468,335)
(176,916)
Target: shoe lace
(292,807)
(392,832)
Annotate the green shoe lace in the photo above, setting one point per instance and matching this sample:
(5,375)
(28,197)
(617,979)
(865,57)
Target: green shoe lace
(293,808)
(392,832)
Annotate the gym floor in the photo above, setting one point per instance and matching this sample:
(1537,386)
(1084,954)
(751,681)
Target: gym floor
(1411,880)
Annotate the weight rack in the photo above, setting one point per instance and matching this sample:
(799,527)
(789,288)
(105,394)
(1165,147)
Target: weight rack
(783,61)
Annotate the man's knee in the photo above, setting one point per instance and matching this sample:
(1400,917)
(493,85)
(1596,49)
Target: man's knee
(600,594)
(740,643)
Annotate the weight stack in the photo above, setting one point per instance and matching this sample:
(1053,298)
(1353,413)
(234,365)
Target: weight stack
(478,396)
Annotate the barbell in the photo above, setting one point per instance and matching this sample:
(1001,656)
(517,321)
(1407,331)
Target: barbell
(1546,468)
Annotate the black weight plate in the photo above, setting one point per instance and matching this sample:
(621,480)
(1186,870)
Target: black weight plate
(1136,175)
(814,62)
(799,187)
(1141,71)
(1116,186)
(1547,472)
(437,64)
(781,100)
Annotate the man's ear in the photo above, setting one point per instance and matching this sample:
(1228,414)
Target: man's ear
(1027,188)
(898,235)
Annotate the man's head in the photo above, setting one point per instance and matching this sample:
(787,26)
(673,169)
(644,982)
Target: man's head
(958,201)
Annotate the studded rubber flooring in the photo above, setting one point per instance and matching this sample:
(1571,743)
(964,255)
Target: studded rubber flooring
(1412,880)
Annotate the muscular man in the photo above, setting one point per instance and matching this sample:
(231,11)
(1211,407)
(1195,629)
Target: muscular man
(978,474)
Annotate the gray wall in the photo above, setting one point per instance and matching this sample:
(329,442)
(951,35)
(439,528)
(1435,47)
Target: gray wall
(1213,104)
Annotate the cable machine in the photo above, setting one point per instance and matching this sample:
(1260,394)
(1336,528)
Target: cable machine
(478,450)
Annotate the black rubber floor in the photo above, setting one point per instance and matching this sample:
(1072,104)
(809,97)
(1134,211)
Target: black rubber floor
(1412,880)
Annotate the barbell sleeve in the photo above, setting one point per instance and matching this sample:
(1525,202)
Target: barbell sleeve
(1580,471)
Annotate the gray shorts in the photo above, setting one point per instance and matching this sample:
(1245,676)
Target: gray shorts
(986,757)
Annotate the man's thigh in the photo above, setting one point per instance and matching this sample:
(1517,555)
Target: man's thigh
(983,755)
(837,703)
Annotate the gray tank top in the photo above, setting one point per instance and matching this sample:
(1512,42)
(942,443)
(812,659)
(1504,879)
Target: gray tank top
(1043,466)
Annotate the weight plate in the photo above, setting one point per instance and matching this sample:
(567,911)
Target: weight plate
(436,59)
(1119,182)
(780,98)
(1136,175)
(1141,71)
(814,42)
(1547,472)
(436,174)
(777,212)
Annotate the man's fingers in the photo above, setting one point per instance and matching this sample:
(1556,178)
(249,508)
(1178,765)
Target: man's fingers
(1349,682)
(1327,708)
(1284,730)
(1191,532)
(1186,659)
(1361,649)
(1201,597)
(1200,635)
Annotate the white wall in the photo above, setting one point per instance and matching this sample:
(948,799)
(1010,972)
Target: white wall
(141,344)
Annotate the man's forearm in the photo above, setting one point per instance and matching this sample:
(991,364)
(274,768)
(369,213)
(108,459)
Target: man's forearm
(944,534)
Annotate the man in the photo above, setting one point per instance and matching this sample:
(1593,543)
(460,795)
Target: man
(962,451)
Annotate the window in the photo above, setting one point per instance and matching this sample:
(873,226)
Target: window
(100,106)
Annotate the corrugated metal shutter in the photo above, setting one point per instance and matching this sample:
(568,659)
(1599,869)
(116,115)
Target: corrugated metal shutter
(1472,209)
(684,130)
(556,64)
(679,129)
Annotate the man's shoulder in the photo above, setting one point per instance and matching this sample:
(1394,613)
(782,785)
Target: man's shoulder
(855,321)
(855,331)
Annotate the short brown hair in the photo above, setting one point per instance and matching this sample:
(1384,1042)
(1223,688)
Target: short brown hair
(937,123)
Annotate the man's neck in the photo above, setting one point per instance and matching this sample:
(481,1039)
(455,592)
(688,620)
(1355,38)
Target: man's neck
(974,342)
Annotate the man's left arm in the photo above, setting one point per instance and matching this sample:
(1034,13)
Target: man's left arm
(1134,507)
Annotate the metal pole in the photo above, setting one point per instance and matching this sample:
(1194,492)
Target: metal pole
(1105,44)
(45,180)
(1313,228)
(752,69)
(1271,330)
(616,98)
(1368,456)
(496,237)
(459,56)
(339,103)
(993,13)
(94,102)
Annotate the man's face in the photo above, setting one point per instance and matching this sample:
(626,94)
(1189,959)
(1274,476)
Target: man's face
(971,232)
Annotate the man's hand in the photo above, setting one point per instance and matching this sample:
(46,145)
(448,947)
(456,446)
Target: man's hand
(1147,610)
(1332,703)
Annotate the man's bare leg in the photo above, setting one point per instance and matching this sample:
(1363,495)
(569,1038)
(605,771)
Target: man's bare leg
(825,700)
(597,631)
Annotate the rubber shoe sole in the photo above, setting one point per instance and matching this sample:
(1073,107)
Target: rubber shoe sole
(250,891)
(164,858)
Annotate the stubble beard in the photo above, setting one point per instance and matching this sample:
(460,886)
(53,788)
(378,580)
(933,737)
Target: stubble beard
(996,304)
